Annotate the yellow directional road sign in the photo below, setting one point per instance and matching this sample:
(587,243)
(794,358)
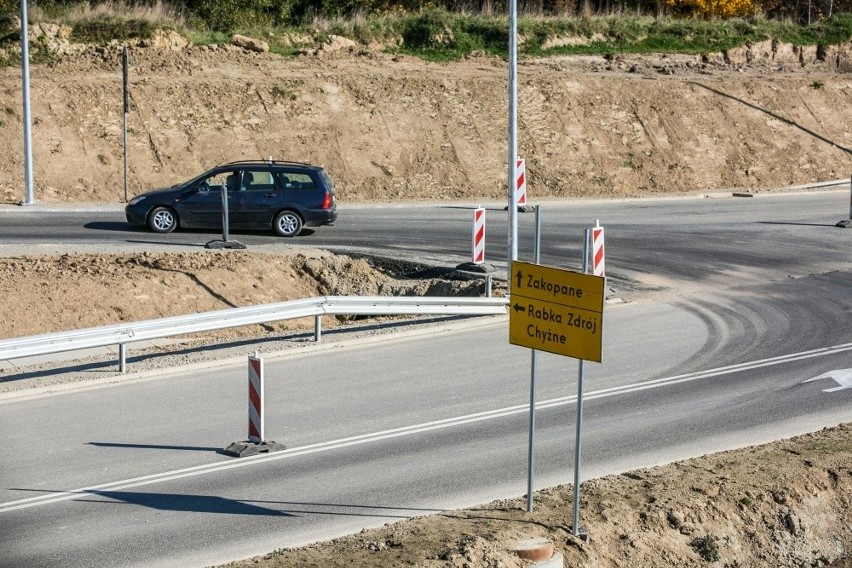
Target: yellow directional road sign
(556,310)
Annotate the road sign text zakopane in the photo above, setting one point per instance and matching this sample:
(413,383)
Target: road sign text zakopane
(556,310)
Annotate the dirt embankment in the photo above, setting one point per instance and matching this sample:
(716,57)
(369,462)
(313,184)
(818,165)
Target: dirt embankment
(782,504)
(390,127)
(154,285)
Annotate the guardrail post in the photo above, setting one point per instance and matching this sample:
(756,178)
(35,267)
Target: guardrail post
(122,358)
(317,328)
(488,283)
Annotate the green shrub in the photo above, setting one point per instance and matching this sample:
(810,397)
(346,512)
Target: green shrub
(706,547)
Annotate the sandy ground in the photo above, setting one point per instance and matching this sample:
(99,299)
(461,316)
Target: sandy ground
(393,128)
(784,504)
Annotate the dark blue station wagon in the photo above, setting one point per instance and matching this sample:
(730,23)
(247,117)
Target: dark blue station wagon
(282,196)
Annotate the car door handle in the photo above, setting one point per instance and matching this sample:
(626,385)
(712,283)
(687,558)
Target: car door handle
(271,195)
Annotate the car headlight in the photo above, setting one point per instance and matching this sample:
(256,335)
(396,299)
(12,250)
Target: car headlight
(136,200)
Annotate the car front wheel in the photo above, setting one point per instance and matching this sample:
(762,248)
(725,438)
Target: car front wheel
(162,220)
(287,224)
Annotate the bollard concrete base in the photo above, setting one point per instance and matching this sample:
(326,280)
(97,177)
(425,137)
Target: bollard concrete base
(535,549)
(483,268)
(224,245)
(555,561)
(249,448)
(522,208)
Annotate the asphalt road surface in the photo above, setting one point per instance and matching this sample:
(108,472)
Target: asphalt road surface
(740,333)
(650,244)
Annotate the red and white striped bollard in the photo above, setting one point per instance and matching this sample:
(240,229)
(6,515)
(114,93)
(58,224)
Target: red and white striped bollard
(598,257)
(255,405)
(257,442)
(478,244)
(521,182)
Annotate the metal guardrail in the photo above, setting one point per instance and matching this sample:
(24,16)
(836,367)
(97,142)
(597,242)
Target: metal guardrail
(124,333)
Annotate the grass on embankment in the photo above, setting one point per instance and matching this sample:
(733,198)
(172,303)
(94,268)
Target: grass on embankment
(439,35)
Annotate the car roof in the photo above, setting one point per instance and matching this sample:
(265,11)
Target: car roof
(270,162)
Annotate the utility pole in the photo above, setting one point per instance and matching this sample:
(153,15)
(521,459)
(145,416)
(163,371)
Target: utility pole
(29,198)
(513,139)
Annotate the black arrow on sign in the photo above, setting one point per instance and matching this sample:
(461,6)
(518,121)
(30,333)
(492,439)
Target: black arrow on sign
(520,278)
(519,308)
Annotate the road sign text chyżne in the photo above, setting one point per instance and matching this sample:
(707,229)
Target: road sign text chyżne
(556,310)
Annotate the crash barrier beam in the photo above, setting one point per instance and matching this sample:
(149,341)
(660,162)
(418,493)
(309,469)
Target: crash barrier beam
(125,333)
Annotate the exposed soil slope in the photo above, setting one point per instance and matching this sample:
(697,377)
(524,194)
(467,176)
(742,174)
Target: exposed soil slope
(390,127)
(154,285)
(783,504)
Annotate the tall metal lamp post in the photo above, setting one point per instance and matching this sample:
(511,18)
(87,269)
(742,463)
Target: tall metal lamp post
(29,198)
(512,159)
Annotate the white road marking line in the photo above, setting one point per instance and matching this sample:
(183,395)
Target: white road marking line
(56,497)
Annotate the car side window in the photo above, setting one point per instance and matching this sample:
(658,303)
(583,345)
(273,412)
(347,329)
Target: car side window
(295,180)
(207,184)
(232,180)
(214,182)
(258,180)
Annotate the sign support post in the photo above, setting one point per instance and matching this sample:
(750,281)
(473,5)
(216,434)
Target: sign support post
(575,529)
(531,453)
(559,311)
(846,223)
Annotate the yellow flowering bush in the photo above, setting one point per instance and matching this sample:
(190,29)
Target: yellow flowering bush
(713,8)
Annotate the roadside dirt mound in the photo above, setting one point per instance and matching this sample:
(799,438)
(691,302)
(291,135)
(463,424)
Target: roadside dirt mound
(781,504)
(154,285)
(397,128)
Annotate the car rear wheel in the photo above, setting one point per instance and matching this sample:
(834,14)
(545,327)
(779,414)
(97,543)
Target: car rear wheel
(287,224)
(162,220)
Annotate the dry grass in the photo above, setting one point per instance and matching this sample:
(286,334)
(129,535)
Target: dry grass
(157,13)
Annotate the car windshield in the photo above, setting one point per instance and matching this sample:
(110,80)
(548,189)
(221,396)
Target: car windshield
(195,181)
